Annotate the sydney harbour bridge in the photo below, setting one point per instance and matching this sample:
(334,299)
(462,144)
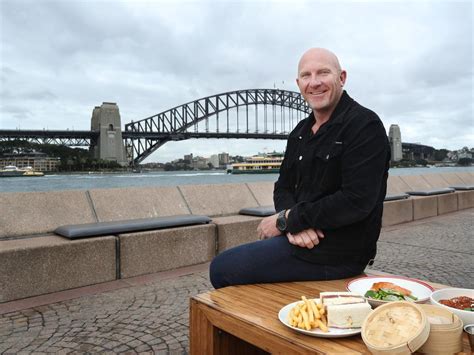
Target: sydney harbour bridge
(249,114)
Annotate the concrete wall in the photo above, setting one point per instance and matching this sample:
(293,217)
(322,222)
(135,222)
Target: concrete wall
(147,252)
(34,261)
(137,202)
(45,264)
(25,213)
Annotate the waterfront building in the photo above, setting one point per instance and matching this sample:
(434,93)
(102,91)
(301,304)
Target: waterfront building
(38,161)
(214,160)
(223,159)
(200,163)
(395,139)
(415,151)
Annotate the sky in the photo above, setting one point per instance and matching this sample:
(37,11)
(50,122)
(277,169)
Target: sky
(409,61)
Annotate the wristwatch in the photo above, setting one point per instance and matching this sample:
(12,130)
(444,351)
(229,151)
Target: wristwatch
(281,221)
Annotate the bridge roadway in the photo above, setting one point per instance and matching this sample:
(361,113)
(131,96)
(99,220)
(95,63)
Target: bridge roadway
(150,313)
(54,135)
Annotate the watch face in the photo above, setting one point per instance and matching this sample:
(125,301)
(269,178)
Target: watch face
(281,222)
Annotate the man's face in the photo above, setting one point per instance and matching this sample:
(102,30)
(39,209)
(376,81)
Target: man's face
(320,81)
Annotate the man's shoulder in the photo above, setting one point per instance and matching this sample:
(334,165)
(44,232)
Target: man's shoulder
(359,117)
(362,113)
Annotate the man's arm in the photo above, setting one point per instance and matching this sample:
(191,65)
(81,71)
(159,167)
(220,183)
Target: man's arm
(308,238)
(363,165)
(283,192)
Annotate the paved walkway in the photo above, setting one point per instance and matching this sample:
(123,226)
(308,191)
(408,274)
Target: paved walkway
(150,313)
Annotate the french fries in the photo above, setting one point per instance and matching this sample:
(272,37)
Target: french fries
(308,315)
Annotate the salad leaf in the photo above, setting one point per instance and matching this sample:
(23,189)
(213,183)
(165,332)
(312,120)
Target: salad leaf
(388,295)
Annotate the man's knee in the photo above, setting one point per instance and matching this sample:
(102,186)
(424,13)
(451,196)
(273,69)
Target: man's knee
(217,272)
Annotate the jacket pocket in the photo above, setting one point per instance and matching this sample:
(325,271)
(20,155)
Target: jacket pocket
(328,166)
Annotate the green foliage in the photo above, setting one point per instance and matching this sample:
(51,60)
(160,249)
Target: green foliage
(421,162)
(465,161)
(440,155)
(403,163)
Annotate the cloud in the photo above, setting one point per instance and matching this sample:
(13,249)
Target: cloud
(410,61)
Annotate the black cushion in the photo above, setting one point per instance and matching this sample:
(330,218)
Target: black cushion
(261,211)
(463,187)
(396,197)
(73,231)
(431,192)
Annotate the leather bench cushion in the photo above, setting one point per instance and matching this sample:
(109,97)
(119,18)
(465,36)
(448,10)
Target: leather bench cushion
(396,197)
(261,211)
(73,231)
(431,192)
(463,187)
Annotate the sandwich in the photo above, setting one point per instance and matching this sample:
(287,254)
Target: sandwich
(345,310)
(330,298)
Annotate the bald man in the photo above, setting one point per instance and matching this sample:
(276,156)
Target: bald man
(329,194)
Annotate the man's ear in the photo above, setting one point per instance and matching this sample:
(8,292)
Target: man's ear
(343,77)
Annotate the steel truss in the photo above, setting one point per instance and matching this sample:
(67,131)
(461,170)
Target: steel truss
(182,122)
(67,138)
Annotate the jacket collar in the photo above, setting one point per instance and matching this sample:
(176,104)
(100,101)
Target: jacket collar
(337,116)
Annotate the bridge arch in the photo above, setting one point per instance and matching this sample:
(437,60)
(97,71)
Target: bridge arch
(145,136)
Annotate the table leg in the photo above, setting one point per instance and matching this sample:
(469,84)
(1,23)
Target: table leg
(202,334)
(207,339)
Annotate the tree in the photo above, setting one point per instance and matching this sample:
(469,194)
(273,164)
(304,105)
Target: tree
(421,162)
(441,154)
(465,161)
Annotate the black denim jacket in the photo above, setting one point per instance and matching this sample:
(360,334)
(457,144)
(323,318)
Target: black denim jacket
(336,180)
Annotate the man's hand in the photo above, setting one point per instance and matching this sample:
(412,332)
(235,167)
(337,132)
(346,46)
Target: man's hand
(267,227)
(307,238)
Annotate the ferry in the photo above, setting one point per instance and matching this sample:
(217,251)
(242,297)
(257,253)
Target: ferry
(269,164)
(13,171)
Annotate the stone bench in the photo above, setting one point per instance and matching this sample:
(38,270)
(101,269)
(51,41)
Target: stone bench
(29,251)
(223,202)
(429,204)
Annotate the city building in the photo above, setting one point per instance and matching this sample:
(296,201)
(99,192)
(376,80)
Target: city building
(223,159)
(38,161)
(214,160)
(414,151)
(395,139)
(200,163)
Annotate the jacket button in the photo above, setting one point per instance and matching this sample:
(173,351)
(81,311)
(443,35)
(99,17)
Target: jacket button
(301,157)
(327,157)
(300,137)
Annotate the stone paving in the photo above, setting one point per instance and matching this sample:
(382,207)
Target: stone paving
(152,317)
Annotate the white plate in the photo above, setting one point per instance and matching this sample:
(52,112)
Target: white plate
(333,332)
(419,289)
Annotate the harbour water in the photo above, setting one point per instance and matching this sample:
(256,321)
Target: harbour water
(169,178)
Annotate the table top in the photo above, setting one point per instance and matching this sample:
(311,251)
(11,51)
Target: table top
(255,308)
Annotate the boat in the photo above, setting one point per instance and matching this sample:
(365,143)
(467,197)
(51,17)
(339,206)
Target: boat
(13,171)
(267,164)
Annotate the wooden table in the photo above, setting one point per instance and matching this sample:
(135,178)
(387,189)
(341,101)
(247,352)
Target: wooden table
(244,320)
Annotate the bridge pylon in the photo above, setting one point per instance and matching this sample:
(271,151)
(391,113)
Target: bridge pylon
(108,145)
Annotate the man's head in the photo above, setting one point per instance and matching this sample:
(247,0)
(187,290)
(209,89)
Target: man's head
(320,80)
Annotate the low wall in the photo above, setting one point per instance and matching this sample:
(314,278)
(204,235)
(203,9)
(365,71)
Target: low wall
(34,261)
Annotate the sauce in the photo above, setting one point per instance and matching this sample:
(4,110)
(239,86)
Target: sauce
(462,302)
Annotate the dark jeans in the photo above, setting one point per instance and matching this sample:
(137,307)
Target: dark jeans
(271,260)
